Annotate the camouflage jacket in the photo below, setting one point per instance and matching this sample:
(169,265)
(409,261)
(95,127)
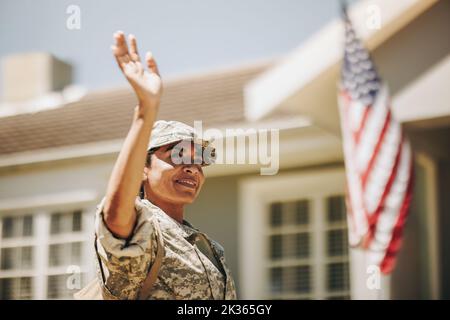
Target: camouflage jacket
(186,271)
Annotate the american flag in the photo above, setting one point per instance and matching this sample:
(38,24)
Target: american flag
(378,157)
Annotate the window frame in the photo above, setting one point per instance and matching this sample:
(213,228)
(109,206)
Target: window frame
(42,239)
(255,196)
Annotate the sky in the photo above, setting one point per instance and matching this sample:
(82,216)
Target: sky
(185,36)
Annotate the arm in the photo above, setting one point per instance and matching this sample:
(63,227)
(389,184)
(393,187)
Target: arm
(119,209)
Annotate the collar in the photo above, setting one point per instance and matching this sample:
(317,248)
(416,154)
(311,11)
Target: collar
(187,228)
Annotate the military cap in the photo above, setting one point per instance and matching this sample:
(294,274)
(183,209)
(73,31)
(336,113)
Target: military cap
(167,132)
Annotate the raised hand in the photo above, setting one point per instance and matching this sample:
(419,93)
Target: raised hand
(146,83)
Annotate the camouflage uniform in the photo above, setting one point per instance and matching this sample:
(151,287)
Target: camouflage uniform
(190,269)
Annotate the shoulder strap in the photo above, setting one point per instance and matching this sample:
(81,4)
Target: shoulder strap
(94,290)
(154,269)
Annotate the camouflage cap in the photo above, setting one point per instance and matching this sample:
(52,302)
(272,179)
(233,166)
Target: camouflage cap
(167,132)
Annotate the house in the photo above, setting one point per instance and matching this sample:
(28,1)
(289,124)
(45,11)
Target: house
(411,50)
(285,235)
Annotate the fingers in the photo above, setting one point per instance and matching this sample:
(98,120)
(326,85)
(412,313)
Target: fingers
(151,63)
(134,55)
(121,43)
(124,55)
(120,49)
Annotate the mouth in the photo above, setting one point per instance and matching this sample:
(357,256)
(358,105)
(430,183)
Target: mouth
(189,183)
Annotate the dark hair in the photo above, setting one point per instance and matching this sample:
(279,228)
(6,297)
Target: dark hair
(142,192)
(148,161)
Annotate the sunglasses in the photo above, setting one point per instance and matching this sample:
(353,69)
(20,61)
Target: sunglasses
(181,153)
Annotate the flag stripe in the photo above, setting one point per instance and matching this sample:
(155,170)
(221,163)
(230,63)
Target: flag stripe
(373,218)
(358,223)
(375,153)
(383,169)
(386,243)
(372,132)
(388,263)
(365,116)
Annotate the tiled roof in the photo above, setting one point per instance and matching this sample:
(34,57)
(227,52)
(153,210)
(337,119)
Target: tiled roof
(215,98)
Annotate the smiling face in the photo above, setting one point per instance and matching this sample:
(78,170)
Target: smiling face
(171,183)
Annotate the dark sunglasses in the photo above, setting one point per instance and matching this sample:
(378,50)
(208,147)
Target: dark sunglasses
(204,154)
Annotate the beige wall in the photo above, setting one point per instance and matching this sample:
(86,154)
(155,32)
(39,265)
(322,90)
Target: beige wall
(53,178)
(424,258)
(416,48)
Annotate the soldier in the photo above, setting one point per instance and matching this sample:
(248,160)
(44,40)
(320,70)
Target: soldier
(135,233)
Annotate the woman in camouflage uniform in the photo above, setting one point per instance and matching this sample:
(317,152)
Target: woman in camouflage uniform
(193,265)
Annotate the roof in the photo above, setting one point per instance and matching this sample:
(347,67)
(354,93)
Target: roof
(215,98)
(305,80)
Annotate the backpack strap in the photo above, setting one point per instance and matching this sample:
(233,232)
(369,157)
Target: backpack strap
(152,274)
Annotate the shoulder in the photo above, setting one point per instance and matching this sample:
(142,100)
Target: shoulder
(145,207)
(217,247)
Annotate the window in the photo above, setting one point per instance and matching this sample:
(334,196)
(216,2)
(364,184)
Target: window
(27,226)
(299,278)
(276,280)
(16,227)
(290,249)
(14,253)
(337,276)
(293,255)
(337,243)
(76,221)
(276,247)
(16,288)
(297,246)
(65,249)
(65,254)
(21,254)
(337,269)
(289,213)
(57,287)
(275,214)
(16,258)
(336,209)
(65,222)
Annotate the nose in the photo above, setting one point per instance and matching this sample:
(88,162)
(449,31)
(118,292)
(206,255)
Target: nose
(192,169)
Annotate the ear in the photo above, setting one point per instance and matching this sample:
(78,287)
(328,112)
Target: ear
(145,174)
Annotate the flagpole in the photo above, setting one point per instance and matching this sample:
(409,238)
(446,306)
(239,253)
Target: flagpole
(366,280)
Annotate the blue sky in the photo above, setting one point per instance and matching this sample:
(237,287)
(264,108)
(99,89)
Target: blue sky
(185,36)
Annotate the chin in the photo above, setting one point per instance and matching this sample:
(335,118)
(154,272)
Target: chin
(187,199)
(190,201)
(184,195)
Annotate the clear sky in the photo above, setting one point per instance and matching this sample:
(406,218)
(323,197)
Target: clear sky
(185,35)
